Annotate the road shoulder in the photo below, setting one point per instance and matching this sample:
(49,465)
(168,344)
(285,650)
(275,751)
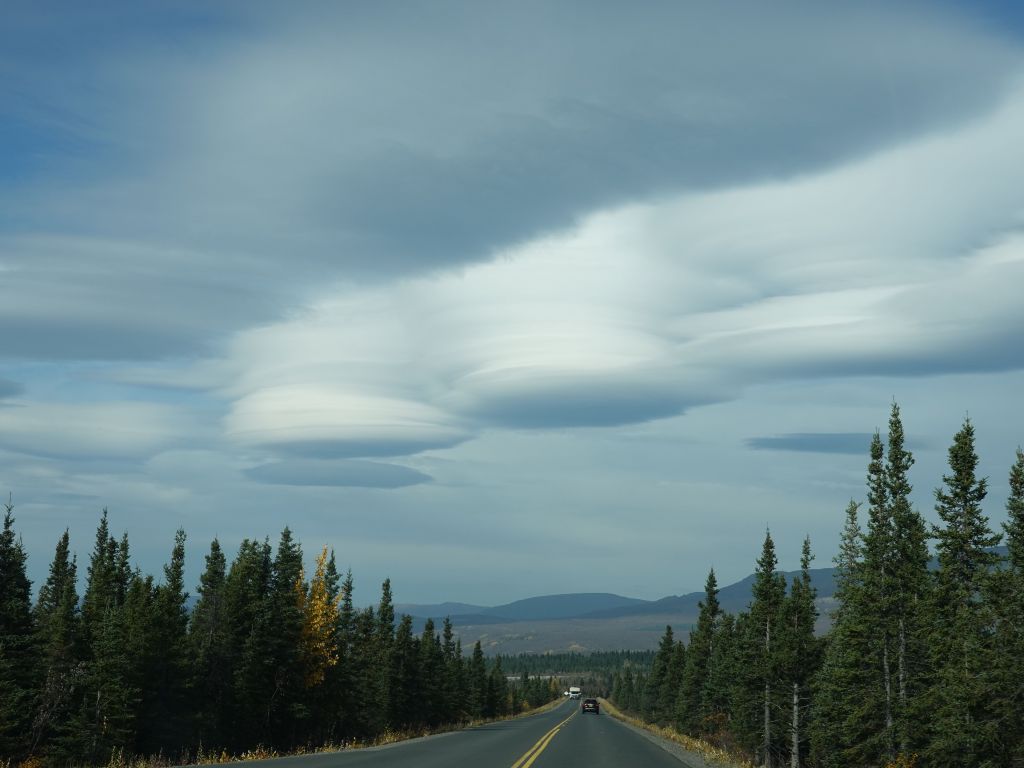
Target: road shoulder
(685,756)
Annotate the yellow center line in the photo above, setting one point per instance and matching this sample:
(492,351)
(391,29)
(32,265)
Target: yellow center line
(534,752)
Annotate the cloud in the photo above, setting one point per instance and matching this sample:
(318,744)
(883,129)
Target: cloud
(363,146)
(348,473)
(815,442)
(645,311)
(96,431)
(10,388)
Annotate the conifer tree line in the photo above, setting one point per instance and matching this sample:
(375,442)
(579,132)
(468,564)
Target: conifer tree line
(924,662)
(269,656)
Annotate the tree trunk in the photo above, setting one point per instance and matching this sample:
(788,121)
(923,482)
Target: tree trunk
(794,759)
(902,665)
(767,696)
(888,697)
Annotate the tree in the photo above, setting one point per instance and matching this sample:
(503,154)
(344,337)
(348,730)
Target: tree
(766,618)
(477,682)
(800,654)
(1006,595)
(910,588)
(210,643)
(162,721)
(846,722)
(657,688)
(319,624)
(878,607)
(692,709)
(18,657)
(100,591)
(57,619)
(959,700)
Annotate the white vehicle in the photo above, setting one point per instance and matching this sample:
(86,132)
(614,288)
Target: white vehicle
(574,691)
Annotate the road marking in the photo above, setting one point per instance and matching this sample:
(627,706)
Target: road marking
(534,752)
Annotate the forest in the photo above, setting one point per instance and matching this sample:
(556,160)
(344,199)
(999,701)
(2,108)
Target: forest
(924,662)
(268,660)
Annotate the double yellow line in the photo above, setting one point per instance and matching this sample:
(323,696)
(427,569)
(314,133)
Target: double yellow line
(534,752)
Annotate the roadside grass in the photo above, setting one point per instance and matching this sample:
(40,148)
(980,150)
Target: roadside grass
(708,752)
(205,756)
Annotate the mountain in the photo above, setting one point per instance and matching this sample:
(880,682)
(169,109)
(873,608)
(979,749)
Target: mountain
(594,621)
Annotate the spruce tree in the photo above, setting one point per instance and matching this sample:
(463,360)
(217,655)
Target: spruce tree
(477,682)
(878,606)
(100,580)
(57,619)
(911,584)
(18,643)
(962,723)
(657,685)
(692,709)
(210,644)
(800,656)
(846,723)
(163,717)
(766,618)
(1006,595)
(403,685)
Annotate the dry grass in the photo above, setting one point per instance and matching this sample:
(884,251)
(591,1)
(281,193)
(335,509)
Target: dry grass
(708,752)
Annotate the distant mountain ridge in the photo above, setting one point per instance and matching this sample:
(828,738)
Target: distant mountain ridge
(602,605)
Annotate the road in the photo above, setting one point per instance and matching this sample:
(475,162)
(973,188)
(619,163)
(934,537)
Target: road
(560,738)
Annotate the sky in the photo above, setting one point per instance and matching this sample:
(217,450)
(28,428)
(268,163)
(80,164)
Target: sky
(502,300)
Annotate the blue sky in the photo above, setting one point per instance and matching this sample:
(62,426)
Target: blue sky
(501,301)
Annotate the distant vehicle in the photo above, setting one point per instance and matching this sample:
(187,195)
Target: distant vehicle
(591,705)
(574,691)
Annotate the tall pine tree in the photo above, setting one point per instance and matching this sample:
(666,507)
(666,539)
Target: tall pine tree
(961,722)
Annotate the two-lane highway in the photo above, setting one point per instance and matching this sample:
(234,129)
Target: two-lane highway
(560,738)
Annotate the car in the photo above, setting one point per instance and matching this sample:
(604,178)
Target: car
(590,705)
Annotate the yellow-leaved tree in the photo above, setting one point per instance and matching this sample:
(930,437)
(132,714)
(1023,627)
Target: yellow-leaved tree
(319,625)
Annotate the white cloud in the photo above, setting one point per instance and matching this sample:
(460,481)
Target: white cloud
(903,262)
(130,430)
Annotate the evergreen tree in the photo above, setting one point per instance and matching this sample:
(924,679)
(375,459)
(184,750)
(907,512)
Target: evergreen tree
(878,607)
(846,724)
(162,720)
(658,683)
(105,723)
(477,682)
(56,617)
(692,709)
(246,597)
(719,684)
(430,677)
(403,685)
(210,643)
(100,580)
(910,589)
(452,673)
(800,656)
(1006,595)
(385,643)
(18,649)
(962,724)
(769,592)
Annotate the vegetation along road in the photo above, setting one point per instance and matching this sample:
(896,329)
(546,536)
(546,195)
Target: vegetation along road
(559,737)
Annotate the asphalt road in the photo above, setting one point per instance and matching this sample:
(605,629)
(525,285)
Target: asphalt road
(560,738)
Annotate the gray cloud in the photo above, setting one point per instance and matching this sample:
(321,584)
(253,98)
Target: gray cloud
(360,145)
(814,442)
(10,388)
(358,474)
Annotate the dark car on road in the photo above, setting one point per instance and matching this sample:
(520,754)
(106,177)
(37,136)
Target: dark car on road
(590,705)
